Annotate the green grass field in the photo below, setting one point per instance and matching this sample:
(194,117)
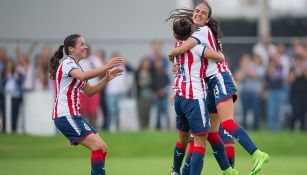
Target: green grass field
(143,153)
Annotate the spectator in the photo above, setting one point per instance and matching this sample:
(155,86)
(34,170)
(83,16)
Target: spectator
(265,49)
(296,48)
(115,90)
(252,81)
(2,83)
(274,86)
(101,54)
(42,81)
(157,53)
(24,65)
(13,87)
(160,88)
(144,82)
(298,84)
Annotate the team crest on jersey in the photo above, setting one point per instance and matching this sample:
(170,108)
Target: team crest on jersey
(70,62)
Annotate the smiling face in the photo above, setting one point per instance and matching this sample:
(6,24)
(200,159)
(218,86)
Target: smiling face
(201,15)
(80,49)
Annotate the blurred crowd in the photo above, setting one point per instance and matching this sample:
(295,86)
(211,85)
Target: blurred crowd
(271,80)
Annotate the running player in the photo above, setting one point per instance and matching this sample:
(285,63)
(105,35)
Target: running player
(221,87)
(70,80)
(190,100)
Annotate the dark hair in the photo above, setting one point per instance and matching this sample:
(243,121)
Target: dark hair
(182,22)
(213,24)
(181,13)
(182,28)
(70,41)
(188,14)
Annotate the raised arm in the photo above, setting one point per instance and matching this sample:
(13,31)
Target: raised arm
(78,74)
(190,43)
(187,45)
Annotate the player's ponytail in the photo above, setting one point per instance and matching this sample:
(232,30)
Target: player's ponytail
(55,62)
(181,13)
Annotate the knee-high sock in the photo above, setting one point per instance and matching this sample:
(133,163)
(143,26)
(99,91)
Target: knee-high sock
(218,150)
(187,167)
(98,161)
(179,152)
(230,153)
(240,134)
(197,160)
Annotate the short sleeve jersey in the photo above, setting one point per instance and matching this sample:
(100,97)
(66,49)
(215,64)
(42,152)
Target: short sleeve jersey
(204,36)
(68,89)
(189,82)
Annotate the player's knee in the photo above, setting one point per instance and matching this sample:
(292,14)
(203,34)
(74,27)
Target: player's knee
(183,140)
(99,146)
(200,141)
(105,148)
(102,146)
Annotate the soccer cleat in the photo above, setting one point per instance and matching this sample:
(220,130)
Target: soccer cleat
(259,158)
(174,173)
(230,171)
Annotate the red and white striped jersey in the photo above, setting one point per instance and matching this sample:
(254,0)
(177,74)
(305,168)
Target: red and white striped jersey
(204,36)
(68,89)
(189,82)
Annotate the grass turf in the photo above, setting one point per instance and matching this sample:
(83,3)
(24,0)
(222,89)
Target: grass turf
(148,153)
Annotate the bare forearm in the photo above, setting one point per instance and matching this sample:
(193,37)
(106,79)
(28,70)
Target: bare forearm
(92,73)
(187,45)
(93,89)
(213,55)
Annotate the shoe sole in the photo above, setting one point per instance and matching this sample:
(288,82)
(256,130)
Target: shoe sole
(259,165)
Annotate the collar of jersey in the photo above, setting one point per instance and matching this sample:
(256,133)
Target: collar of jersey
(69,56)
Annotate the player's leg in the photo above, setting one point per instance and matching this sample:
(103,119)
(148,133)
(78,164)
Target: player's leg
(224,89)
(99,152)
(229,146)
(184,135)
(218,146)
(179,151)
(78,131)
(214,138)
(259,157)
(198,154)
(197,115)
(187,167)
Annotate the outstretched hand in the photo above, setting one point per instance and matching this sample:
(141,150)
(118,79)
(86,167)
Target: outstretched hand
(114,62)
(114,73)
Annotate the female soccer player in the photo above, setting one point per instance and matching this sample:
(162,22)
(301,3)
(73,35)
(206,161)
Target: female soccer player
(190,99)
(214,138)
(70,80)
(221,87)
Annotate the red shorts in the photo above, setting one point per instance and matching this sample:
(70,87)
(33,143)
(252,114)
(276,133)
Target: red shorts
(89,105)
